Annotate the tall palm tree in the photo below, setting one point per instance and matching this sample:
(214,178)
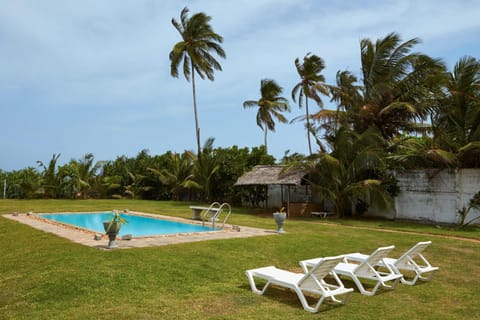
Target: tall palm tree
(194,51)
(270,106)
(455,125)
(398,85)
(397,91)
(311,84)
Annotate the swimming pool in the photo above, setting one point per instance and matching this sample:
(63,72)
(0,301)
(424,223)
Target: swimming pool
(137,226)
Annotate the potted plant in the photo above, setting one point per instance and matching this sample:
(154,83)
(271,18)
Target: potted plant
(280,217)
(112,227)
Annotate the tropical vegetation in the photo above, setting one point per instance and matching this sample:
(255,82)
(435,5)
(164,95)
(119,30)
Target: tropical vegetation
(404,111)
(170,176)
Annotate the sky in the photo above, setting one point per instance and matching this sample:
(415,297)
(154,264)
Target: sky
(93,76)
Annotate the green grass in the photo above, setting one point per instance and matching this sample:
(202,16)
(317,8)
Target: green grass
(43,276)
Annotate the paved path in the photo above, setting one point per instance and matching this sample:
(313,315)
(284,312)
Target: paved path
(87,238)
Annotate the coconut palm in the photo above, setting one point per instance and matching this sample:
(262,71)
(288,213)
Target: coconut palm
(84,172)
(457,122)
(26,183)
(354,174)
(194,52)
(177,173)
(311,84)
(270,106)
(204,169)
(50,180)
(398,87)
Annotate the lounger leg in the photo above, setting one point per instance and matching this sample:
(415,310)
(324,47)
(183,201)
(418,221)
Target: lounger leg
(253,286)
(362,289)
(426,278)
(304,301)
(410,282)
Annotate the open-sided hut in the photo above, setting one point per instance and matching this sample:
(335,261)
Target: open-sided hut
(269,175)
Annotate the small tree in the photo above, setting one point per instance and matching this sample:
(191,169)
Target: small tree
(474,203)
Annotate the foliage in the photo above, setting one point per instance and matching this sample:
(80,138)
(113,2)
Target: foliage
(50,183)
(23,184)
(176,173)
(205,166)
(115,221)
(234,162)
(474,203)
(456,122)
(398,88)
(270,105)
(418,152)
(353,173)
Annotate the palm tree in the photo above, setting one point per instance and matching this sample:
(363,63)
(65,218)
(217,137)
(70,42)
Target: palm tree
(311,84)
(397,91)
(26,183)
(457,122)
(84,173)
(50,181)
(455,125)
(178,172)
(353,175)
(270,105)
(194,51)
(204,169)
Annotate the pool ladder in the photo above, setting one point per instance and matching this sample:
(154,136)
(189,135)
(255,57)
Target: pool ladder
(214,212)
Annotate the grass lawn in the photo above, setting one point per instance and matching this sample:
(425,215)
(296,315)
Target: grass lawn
(43,276)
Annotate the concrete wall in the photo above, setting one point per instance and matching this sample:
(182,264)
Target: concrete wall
(434,195)
(425,195)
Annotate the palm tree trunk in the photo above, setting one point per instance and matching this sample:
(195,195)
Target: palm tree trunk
(308,126)
(197,129)
(265,139)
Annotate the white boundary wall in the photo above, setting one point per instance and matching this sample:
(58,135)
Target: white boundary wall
(429,195)
(434,195)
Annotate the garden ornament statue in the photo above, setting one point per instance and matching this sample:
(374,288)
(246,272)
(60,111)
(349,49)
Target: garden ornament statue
(112,228)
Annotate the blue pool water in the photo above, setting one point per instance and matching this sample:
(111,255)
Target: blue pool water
(137,226)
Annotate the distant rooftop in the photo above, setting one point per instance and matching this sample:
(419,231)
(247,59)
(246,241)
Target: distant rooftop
(272,174)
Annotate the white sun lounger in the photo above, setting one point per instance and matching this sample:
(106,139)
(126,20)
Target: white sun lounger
(365,270)
(311,282)
(411,261)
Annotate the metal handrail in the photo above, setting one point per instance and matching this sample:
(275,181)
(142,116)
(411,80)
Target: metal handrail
(216,212)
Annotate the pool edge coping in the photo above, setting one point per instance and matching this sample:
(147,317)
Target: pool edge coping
(86,237)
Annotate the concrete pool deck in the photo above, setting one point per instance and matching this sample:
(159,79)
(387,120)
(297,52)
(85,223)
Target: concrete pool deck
(86,238)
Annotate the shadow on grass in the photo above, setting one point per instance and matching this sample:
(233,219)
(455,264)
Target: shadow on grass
(289,297)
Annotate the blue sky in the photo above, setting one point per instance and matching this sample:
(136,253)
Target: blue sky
(93,76)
